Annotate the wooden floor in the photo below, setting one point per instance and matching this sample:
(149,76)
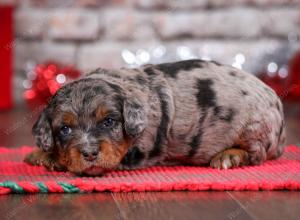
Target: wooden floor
(15,127)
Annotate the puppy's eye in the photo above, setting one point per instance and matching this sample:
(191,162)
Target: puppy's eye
(108,123)
(65,130)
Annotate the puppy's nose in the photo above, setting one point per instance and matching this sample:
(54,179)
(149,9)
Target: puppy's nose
(90,155)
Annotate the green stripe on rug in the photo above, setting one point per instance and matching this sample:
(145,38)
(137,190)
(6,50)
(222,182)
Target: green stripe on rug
(69,188)
(43,188)
(13,186)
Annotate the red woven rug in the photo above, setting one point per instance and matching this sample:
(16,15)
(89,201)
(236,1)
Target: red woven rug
(18,177)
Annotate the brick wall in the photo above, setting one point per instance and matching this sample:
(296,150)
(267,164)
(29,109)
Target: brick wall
(114,33)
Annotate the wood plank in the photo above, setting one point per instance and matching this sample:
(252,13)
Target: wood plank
(178,205)
(270,204)
(59,206)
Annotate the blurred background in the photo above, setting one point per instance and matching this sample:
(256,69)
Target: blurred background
(44,44)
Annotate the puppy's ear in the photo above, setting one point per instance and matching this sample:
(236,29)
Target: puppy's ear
(135,116)
(42,132)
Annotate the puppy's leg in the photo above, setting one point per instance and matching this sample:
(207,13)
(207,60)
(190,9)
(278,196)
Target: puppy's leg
(46,159)
(230,158)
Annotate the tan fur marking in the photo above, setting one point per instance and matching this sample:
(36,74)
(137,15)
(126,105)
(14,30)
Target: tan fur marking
(69,119)
(111,155)
(101,113)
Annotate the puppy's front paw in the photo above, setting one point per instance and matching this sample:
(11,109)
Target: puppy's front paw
(41,158)
(230,158)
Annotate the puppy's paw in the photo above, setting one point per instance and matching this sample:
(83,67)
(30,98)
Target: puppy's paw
(230,158)
(41,158)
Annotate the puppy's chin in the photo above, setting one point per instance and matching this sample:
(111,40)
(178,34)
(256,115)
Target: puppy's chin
(95,171)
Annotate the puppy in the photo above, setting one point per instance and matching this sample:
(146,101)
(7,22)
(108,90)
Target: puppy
(190,112)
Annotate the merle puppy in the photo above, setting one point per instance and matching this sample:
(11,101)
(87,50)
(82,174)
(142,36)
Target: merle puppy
(190,112)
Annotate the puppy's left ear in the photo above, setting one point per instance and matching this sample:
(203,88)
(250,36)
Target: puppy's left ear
(135,116)
(42,132)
